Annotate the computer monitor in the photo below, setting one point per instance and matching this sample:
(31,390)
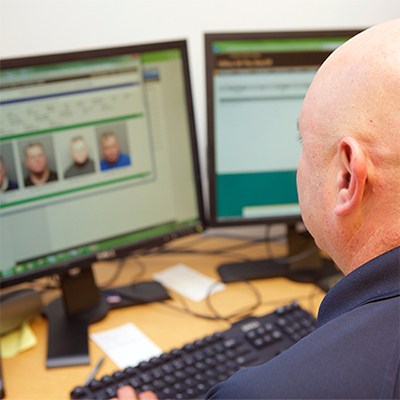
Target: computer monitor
(98,159)
(256,83)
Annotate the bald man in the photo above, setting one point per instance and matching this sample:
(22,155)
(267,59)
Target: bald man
(82,164)
(349,193)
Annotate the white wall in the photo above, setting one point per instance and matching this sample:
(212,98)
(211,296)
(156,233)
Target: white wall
(38,27)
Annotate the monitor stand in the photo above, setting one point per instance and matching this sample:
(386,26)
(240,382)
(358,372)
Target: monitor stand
(312,269)
(82,304)
(69,317)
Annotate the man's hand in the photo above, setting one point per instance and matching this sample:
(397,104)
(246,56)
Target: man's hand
(128,393)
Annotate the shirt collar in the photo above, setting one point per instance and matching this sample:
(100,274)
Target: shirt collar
(376,280)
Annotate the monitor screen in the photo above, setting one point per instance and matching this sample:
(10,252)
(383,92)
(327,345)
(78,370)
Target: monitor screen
(98,157)
(256,83)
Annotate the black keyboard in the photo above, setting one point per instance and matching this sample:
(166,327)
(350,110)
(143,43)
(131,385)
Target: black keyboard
(189,372)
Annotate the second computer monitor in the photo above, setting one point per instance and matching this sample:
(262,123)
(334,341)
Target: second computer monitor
(256,83)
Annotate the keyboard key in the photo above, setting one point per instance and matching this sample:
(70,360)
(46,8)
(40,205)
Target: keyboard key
(169,379)
(167,392)
(102,395)
(135,382)
(167,368)
(189,382)
(158,384)
(259,343)
(199,377)
(130,370)
(251,335)
(79,393)
(209,352)
(180,375)
(231,343)
(210,373)
(191,392)
(221,358)
(269,327)
(276,335)
(246,359)
(112,391)
(178,364)
(178,386)
(201,387)
(107,380)
(147,387)
(260,331)
(199,356)
(95,384)
(219,348)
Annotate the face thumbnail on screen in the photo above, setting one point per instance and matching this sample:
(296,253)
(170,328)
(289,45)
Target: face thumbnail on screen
(95,153)
(256,84)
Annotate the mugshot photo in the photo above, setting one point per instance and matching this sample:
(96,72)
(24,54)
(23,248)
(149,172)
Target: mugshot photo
(8,173)
(38,161)
(76,151)
(113,146)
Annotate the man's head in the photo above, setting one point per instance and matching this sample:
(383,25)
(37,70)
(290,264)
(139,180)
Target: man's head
(110,147)
(35,158)
(79,150)
(349,170)
(3,172)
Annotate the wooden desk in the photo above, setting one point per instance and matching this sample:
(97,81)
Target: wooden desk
(26,377)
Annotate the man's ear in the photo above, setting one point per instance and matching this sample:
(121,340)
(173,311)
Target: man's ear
(352,176)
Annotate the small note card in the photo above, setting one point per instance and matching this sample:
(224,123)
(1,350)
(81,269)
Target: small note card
(126,345)
(188,282)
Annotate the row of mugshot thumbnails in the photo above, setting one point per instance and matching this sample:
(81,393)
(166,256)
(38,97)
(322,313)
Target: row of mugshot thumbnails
(79,157)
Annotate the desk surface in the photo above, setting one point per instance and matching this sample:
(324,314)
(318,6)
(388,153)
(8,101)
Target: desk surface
(26,377)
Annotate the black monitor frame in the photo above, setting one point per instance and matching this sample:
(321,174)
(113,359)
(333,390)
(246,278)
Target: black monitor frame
(124,250)
(213,220)
(314,268)
(69,316)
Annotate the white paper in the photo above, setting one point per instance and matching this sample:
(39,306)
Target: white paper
(188,282)
(126,345)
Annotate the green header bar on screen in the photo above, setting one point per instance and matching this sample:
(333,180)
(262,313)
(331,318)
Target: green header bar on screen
(277,45)
(161,55)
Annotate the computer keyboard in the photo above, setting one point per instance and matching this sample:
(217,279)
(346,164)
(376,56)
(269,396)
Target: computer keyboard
(189,372)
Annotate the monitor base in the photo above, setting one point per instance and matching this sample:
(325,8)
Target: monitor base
(268,268)
(68,342)
(304,264)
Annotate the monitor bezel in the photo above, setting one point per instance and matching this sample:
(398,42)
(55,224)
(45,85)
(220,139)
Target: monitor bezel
(124,250)
(213,220)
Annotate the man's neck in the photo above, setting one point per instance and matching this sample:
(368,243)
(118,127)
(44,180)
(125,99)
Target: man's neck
(80,165)
(380,240)
(114,162)
(40,179)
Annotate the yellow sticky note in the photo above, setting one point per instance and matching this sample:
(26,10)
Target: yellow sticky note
(17,341)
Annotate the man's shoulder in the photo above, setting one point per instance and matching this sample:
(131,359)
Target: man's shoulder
(104,166)
(28,181)
(70,171)
(359,344)
(52,176)
(12,185)
(74,169)
(124,159)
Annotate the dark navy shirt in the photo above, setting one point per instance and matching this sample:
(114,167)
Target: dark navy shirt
(353,354)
